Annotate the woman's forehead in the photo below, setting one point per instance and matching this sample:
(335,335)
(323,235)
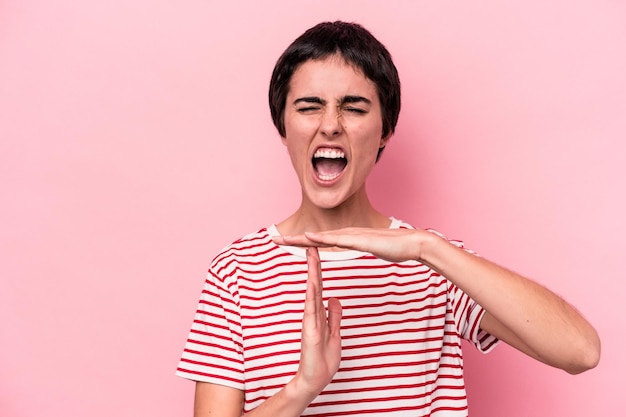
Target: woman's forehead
(331,75)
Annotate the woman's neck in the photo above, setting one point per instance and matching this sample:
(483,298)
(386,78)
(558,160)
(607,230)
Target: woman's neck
(309,218)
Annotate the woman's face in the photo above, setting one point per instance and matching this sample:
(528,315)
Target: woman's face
(333,130)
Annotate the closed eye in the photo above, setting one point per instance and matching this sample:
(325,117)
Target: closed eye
(308,109)
(355,110)
(356,105)
(308,104)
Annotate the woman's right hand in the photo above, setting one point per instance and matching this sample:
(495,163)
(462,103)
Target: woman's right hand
(321,340)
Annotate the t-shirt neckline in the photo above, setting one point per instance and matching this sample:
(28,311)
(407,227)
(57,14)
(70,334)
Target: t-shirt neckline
(328,255)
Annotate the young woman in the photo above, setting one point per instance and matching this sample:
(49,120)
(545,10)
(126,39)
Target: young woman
(384,336)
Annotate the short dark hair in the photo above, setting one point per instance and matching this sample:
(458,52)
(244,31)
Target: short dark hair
(358,47)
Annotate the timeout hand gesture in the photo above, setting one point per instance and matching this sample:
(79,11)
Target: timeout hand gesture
(395,245)
(321,341)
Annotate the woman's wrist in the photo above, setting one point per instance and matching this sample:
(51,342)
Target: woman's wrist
(297,395)
(428,245)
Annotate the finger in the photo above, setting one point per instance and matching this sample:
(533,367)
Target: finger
(313,306)
(313,265)
(297,240)
(339,239)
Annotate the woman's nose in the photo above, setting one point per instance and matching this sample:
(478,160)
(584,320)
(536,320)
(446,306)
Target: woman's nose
(331,122)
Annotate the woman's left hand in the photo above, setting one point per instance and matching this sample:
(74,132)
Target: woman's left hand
(395,245)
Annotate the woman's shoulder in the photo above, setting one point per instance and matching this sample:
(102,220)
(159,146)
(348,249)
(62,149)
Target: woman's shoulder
(249,245)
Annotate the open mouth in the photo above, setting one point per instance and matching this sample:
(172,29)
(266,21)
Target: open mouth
(329,163)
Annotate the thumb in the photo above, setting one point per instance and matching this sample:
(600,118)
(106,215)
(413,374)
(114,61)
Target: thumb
(334,317)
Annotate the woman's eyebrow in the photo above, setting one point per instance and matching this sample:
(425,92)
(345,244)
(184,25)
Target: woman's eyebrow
(343,100)
(354,99)
(315,100)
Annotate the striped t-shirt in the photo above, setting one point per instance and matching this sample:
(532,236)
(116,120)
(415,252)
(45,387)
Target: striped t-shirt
(401,330)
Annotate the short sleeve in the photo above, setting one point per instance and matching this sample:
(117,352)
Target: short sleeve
(213,351)
(467,317)
(467,312)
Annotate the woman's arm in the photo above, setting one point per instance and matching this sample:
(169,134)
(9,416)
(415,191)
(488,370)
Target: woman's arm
(222,401)
(518,311)
(217,400)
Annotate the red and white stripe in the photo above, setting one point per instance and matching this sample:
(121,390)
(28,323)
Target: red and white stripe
(401,330)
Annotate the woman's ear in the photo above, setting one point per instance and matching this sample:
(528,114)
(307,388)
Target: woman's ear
(381,145)
(383,141)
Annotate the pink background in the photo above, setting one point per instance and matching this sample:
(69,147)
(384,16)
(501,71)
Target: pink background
(135,142)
